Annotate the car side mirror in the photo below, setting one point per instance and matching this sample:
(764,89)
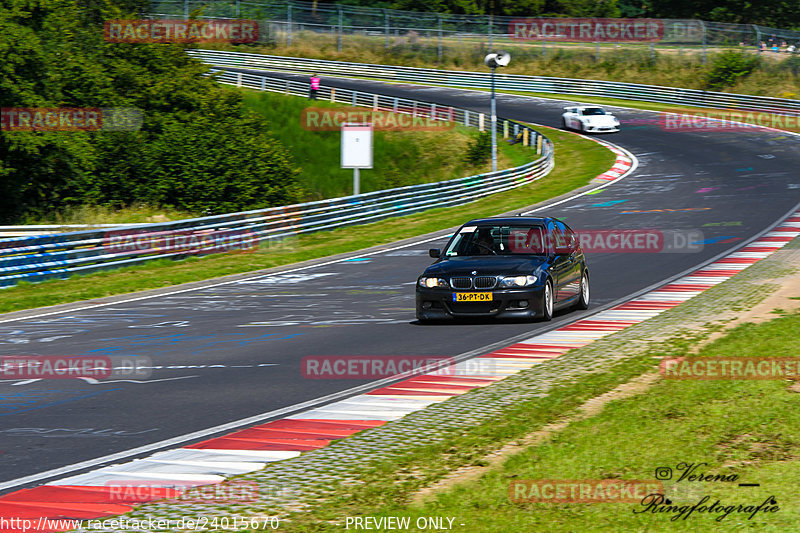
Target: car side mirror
(435,253)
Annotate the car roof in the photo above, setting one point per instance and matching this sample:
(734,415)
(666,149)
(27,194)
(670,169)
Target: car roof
(508,220)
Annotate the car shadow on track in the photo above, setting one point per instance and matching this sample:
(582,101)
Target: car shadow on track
(487,321)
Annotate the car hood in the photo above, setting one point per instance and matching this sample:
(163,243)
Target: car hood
(600,120)
(486,266)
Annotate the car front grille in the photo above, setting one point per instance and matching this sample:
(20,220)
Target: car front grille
(485,282)
(479,282)
(461,283)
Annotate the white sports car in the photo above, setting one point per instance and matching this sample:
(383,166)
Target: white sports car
(589,119)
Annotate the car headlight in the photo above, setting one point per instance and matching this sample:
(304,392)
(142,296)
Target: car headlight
(432,283)
(517,281)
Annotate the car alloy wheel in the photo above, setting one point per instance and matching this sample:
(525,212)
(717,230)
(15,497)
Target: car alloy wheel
(583,299)
(547,302)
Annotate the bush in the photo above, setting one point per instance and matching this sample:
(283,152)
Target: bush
(479,150)
(198,149)
(728,67)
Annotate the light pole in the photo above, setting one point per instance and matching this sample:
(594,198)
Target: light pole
(494,60)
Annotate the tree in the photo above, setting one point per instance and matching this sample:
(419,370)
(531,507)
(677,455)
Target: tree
(775,13)
(727,68)
(52,54)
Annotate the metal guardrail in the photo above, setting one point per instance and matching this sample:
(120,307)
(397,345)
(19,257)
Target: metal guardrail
(36,258)
(510,82)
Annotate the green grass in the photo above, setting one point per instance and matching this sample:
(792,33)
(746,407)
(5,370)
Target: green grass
(92,214)
(570,173)
(400,157)
(747,428)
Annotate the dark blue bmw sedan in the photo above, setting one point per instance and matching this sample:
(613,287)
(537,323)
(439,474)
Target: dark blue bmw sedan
(515,267)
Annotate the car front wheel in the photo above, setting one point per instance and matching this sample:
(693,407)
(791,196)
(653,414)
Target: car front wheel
(583,299)
(547,302)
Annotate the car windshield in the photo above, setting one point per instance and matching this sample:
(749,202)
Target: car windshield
(594,111)
(491,240)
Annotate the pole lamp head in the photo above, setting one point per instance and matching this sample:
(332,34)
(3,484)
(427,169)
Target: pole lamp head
(497,59)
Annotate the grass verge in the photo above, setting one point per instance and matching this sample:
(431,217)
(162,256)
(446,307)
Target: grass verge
(98,214)
(569,173)
(743,430)
(400,157)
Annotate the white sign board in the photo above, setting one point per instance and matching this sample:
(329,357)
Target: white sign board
(356,145)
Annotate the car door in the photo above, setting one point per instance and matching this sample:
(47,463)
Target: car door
(561,266)
(576,120)
(577,261)
(569,265)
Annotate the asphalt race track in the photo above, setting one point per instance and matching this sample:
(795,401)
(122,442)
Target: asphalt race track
(245,340)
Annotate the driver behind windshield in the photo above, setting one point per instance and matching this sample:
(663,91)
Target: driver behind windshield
(483,243)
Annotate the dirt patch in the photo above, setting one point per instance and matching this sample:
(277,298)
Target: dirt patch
(758,448)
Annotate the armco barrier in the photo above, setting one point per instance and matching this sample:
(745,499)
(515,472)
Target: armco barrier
(36,258)
(510,82)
